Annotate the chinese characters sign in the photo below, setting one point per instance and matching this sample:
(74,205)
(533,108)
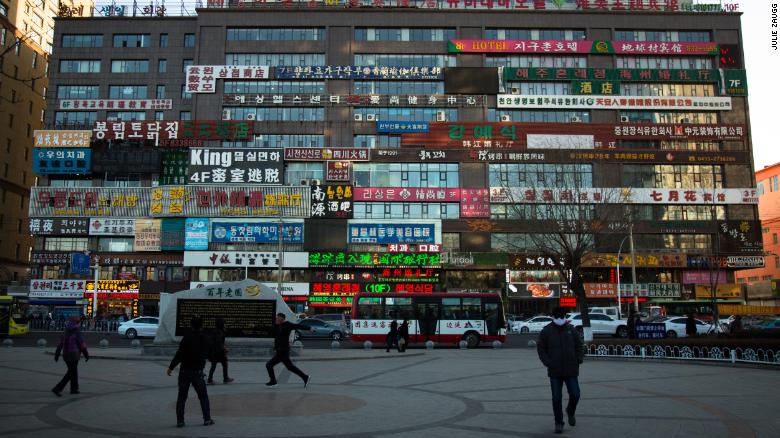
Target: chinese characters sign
(396,127)
(60,161)
(203,78)
(113,288)
(373,259)
(391,233)
(174,168)
(377,100)
(568,46)
(410,194)
(318,154)
(256,259)
(147,235)
(642,260)
(357,72)
(99,226)
(614,102)
(57,288)
(61,139)
(648,290)
(474,203)
(615,195)
(609,74)
(331,201)
(251,231)
(116,104)
(235,166)
(174,133)
(339,171)
(59,226)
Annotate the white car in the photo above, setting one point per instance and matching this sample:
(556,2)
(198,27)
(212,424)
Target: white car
(142,326)
(675,327)
(531,325)
(602,324)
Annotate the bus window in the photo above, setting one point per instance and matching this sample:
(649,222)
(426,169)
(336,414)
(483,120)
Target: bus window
(472,308)
(398,308)
(370,308)
(451,309)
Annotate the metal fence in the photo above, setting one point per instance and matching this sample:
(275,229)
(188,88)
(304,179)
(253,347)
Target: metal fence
(57,325)
(710,354)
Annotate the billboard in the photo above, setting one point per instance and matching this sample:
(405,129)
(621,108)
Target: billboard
(196,233)
(57,138)
(61,161)
(387,233)
(235,166)
(254,231)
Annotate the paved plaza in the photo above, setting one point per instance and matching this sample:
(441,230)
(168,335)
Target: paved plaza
(442,393)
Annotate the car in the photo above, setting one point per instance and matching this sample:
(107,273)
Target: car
(611,311)
(144,326)
(602,324)
(531,325)
(675,326)
(336,319)
(321,329)
(767,325)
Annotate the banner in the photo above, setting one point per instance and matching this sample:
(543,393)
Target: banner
(57,288)
(397,127)
(203,78)
(113,289)
(390,233)
(147,235)
(324,154)
(56,138)
(229,200)
(410,194)
(331,201)
(604,102)
(174,133)
(338,171)
(172,234)
(59,226)
(196,233)
(359,73)
(235,166)
(61,161)
(255,231)
(116,104)
(727,291)
(536,74)
(111,227)
(341,259)
(251,259)
(559,47)
(368,100)
(627,195)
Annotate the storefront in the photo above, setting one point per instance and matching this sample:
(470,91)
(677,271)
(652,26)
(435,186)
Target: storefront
(115,298)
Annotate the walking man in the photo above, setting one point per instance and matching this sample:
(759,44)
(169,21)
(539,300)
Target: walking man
(561,350)
(282,330)
(218,354)
(192,353)
(71,346)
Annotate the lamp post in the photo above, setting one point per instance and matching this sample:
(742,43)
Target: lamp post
(633,265)
(95,286)
(280,258)
(618,273)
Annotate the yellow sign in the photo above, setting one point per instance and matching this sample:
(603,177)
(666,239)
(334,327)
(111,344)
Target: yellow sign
(727,290)
(738,309)
(147,234)
(49,138)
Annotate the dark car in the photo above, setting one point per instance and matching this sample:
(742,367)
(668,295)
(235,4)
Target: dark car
(321,328)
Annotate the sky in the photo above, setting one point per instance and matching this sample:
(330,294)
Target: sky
(763,69)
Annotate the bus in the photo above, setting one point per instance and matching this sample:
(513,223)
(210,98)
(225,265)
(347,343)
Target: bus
(446,318)
(12,323)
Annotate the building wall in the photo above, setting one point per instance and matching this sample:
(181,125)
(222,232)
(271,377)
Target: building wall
(769,212)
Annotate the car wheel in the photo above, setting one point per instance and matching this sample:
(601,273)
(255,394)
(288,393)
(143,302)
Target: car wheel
(671,334)
(622,332)
(131,334)
(472,339)
(336,335)
(524,330)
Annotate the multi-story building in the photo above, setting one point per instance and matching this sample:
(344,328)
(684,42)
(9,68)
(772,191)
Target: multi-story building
(412,148)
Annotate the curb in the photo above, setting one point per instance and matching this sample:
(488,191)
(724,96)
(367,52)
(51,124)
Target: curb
(250,359)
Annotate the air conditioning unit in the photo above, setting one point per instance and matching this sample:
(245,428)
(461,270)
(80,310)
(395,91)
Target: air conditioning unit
(506,118)
(304,182)
(225,114)
(575,119)
(358,117)
(251,116)
(515,90)
(441,116)
(370,117)
(624,119)
(314,182)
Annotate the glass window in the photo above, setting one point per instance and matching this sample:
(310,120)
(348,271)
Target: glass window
(404,34)
(163,40)
(377,141)
(672,176)
(77,92)
(401,114)
(66,243)
(185,94)
(397,60)
(126,115)
(398,87)
(451,309)
(399,308)
(162,65)
(500,115)
(185,115)
(438,175)
(77,40)
(297,172)
(275,59)
(127,92)
(536,61)
(773,184)
(517,242)
(406,210)
(539,87)
(370,308)
(115,244)
(275,34)
(297,114)
(275,87)
(122,180)
(280,141)
(130,66)
(676,62)
(760,187)
(160,94)
(75,118)
(534,34)
(80,66)
(184,64)
(645,89)
(663,36)
(189,40)
(540,175)
(131,40)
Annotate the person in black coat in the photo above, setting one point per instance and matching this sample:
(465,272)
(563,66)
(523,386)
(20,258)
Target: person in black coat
(391,339)
(403,335)
(218,352)
(71,346)
(282,330)
(192,353)
(561,350)
(690,326)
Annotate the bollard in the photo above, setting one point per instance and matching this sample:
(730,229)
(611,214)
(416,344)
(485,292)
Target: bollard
(335,345)
(531,344)
(41,343)
(733,356)
(297,348)
(8,343)
(429,345)
(368,345)
(497,345)
(103,343)
(643,352)
(135,343)
(463,345)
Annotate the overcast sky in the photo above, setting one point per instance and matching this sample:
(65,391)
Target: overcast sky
(763,72)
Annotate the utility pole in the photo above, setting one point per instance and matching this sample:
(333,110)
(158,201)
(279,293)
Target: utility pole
(280,258)
(633,260)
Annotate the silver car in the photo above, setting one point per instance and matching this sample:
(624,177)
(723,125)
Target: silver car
(320,329)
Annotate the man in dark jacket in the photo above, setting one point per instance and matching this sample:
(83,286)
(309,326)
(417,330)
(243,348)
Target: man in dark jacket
(690,326)
(561,350)
(192,353)
(282,330)
(218,352)
(71,346)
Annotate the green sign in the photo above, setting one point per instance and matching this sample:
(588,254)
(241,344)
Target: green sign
(595,87)
(373,259)
(735,82)
(174,168)
(610,74)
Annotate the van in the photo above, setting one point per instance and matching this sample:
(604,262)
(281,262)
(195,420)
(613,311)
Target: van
(610,311)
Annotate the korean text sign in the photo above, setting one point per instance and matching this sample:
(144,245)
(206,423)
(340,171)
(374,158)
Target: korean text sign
(391,233)
(255,232)
(59,161)
(235,166)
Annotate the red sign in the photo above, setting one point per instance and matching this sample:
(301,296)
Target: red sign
(339,171)
(176,133)
(351,289)
(406,194)
(568,302)
(475,203)
(410,247)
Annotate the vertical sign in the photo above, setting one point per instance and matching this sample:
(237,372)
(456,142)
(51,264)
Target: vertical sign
(340,171)
(331,201)
(196,233)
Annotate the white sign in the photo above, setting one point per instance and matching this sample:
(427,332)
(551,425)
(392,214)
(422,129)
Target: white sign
(745,261)
(251,259)
(47,138)
(617,195)
(203,78)
(298,289)
(43,288)
(560,141)
(99,226)
(116,104)
(614,102)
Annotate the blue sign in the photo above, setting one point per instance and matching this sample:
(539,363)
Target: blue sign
(62,161)
(255,232)
(391,233)
(650,330)
(79,263)
(393,127)
(196,233)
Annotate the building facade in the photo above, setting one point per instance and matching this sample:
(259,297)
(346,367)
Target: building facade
(403,148)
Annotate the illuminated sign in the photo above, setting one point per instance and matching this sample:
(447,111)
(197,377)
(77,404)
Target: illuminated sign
(349,289)
(373,259)
(113,288)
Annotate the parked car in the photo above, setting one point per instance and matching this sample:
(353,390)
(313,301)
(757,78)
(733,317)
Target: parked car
(602,324)
(336,319)
(138,327)
(532,325)
(772,324)
(610,311)
(675,326)
(321,328)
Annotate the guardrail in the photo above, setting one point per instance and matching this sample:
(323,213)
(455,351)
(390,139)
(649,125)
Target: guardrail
(57,325)
(673,352)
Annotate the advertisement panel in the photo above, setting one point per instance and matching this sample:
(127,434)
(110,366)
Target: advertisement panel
(324,154)
(89,201)
(42,288)
(394,127)
(196,233)
(474,203)
(740,237)
(560,47)
(534,291)
(703,277)
(294,289)
(235,166)
(596,260)
(255,231)
(57,138)
(99,226)
(147,235)
(616,195)
(338,171)
(606,102)
(331,201)
(390,233)
(174,168)
(229,200)
(59,226)
(745,261)
(650,330)
(642,290)
(203,78)
(115,104)
(61,161)
(174,133)
(358,72)
(120,159)
(610,74)
(113,289)
(172,234)
(50,258)
(341,259)
(364,100)
(251,259)
(79,263)
(726,291)
(406,194)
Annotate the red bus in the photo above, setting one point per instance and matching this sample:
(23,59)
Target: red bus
(440,317)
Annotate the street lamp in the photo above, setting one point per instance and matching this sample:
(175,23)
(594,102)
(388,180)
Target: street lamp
(633,264)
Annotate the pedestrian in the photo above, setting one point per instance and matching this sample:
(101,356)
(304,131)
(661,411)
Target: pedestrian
(736,325)
(690,326)
(192,353)
(282,330)
(632,320)
(391,340)
(403,335)
(561,350)
(218,352)
(71,347)
(49,320)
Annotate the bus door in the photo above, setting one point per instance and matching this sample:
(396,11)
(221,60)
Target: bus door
(493,319)
(427,312)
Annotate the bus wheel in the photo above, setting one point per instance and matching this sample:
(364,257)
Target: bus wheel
(472,339)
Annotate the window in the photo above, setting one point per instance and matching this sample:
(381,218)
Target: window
(185,94)
(163,40)
(773,184)
(159,115)
(127,115)
(777,261)
(80,66)
(162,65)
(275,87)
(296,172)
(571,176)
(297,114)
(541,212)
(662,36)
(75,118)
(670,117)
(189,40)
(539,87)
(645,89)
(400,114)
(3,10)
(404,34)
(398,87)
(760,187)
(672,176)
(132,40)
(774,238)
(66,244)
(275,34)
(536,61)
(677,212)
(185,63)
(160,93)
(130,66)
(116,244)
(398,60)
(437,175)
(280,141)
(534,34)
(377,141)
(538,116)
(406,210)
(276,59)
(122,180)
(677,62)
(127,92)
(185,115)
(77,92)
(516,242)
(82,41)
